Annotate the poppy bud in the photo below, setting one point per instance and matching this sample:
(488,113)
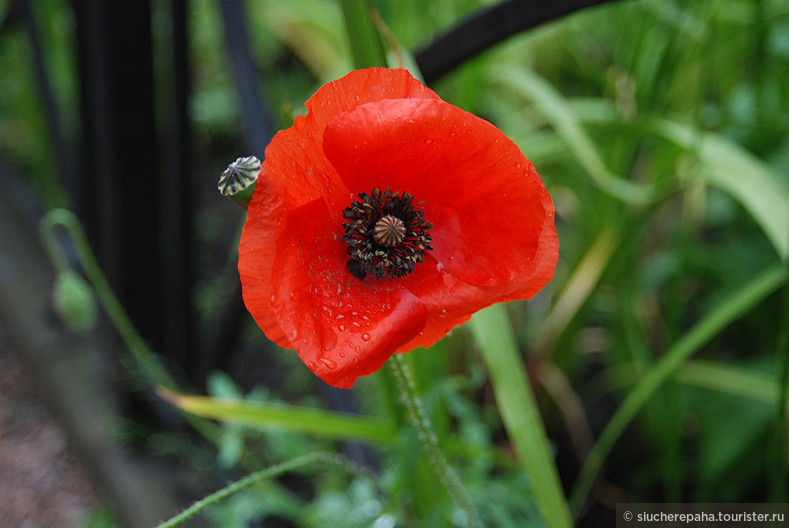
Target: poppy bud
(238,180)
(73,301)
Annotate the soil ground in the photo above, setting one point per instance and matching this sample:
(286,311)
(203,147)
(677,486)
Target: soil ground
(42,484)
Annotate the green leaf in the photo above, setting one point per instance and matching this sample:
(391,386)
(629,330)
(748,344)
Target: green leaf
(729,380)
(578,288)
(495,338)
(304,420)
(366,45)
(558,112)
(713,323)
(745,177)
(723,164)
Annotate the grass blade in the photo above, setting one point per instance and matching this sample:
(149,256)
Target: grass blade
(305,420)
(715,321)
(557,111)
(493,334)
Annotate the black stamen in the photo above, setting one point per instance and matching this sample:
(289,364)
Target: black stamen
(386,235)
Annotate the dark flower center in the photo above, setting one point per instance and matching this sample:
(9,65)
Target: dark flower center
(386,234)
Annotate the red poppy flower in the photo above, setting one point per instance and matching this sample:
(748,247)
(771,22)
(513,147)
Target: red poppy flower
(384,218)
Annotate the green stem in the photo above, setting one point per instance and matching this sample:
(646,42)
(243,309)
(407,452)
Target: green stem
(416,414)
(367,47)
(273,471)
(519,412)
(145,359)
(715,321)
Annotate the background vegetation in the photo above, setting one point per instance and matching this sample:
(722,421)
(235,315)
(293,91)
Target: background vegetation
(657,354)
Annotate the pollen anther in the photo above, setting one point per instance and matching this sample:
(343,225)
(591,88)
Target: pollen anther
(386,234)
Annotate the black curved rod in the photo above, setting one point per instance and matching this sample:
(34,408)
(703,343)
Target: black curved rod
(488,27)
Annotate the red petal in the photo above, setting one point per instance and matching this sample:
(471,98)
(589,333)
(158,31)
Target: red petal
(493,219)
(296,172)
(295,169)
(341,327)
(494,237)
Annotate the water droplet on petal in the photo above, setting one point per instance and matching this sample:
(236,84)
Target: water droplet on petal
(355,359)
(357,348)
(428,141)
(518,164)
(341,328)
(365,337)
(342,354)
(329,363)
(294,334)
(274,300)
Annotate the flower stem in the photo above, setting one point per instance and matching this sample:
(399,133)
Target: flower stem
(416,414)
(270,472)
(494,336)
(144,358)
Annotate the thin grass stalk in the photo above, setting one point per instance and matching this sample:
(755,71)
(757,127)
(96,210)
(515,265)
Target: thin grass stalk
(145,359)
(713,323)
(259,476)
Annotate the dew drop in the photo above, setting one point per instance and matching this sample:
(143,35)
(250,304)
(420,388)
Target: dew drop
(342,354)
(357,99)
(329,363)
(365,337)
(274,300)
(294,334)
(341,328)
(428,141)
(518,164)
(356,359)
(453,134)
(357,348)
(443,313)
